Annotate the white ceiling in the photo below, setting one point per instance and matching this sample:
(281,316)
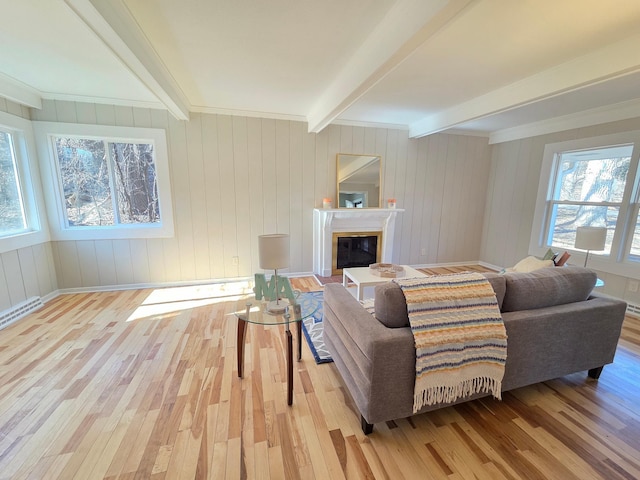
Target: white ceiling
(486,66)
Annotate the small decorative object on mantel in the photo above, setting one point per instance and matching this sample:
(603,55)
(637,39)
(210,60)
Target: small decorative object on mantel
(391,203)
(388,270)
(326,203)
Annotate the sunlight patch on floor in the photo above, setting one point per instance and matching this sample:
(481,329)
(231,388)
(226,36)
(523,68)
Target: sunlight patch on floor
(164,301)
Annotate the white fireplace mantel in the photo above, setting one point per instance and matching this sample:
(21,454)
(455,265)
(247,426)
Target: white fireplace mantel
(326,221)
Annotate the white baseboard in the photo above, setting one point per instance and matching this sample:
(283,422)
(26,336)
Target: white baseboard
(184,283)
(490,266)
(458,264)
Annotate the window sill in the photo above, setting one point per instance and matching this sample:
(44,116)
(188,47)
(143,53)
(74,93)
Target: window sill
(112,233)
(600,263)
(23,240)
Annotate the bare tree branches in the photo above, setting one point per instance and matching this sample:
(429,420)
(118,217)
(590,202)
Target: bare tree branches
(108,183)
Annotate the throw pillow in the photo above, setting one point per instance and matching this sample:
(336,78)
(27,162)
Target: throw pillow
(531,264)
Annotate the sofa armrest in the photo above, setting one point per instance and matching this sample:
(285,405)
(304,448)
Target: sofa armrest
(377,363)
(371,336)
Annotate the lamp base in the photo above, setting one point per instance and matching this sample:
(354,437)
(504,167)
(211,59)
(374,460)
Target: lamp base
(277,307)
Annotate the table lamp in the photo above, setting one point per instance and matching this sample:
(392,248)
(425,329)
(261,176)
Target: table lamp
(590,238)
(274,254)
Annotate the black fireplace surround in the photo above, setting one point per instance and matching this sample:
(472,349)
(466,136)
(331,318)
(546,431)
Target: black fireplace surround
(356,251)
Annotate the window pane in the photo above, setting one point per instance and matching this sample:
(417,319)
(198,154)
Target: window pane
(108,183)
(135,183)
(593,176)
(12,218)
(566,218)
(85,181)
(635,244)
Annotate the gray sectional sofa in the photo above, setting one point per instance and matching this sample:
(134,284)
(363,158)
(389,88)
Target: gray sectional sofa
(555,325)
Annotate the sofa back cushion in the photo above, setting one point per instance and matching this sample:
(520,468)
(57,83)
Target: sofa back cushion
(547,287)
(499,285)
(390,305)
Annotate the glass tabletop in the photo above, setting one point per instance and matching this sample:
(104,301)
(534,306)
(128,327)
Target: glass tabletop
(305,306)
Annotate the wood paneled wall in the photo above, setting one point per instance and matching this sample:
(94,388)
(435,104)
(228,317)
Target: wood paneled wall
(234,178)
(512,193)
(26,272)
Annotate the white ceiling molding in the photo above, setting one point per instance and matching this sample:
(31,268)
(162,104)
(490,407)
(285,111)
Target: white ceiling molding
(114,25)
(300,118)
(594,116)
(247,113)
(468,133)
(18,92)
(122,102)
(407,25)
(612,61)
(357,123)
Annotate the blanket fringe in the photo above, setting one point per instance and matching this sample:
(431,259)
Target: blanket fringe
(450,393)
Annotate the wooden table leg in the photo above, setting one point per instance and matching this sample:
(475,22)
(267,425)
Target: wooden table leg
(242,332)
(297,312)
(289,368)
(299,328)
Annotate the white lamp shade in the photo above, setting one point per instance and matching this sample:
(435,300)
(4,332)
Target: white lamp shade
(591,238)
(274,251)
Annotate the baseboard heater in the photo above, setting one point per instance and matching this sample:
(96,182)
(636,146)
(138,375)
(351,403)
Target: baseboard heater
(16,312)
(633,310)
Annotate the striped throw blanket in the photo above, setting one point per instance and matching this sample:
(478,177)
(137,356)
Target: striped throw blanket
(461,342)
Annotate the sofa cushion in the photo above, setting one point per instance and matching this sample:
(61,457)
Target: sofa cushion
(547,287)
(390,306)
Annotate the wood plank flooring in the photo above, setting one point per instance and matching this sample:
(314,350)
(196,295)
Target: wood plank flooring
(143,385)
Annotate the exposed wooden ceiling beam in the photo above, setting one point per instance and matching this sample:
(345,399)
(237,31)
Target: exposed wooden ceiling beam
(612,61)
(114,25)
(407,25)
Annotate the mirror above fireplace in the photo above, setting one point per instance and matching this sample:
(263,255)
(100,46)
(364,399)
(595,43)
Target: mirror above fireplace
(359,181)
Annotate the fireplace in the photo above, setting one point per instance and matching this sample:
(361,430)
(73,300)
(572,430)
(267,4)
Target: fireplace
(353,221)
(355,249)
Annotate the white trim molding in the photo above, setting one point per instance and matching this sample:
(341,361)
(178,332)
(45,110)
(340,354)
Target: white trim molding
(52,188)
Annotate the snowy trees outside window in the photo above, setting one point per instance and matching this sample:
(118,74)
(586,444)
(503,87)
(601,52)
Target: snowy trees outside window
(12,216)
(107,183)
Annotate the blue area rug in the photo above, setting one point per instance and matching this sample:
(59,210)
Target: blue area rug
(313,329)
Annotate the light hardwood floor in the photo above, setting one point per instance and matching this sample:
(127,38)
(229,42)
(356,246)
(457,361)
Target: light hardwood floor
(143,384)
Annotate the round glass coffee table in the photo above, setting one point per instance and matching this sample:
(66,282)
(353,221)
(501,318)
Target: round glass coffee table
(251,310)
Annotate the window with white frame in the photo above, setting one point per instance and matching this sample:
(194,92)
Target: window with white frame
(591,182)
(20,199)
(107,182)
(588,189)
